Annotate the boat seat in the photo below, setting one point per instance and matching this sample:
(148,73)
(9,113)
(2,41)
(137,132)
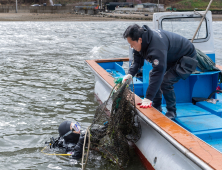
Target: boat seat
(196,85)
(213,108)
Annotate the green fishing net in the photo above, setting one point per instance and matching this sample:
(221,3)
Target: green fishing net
(205,64)
(116,124)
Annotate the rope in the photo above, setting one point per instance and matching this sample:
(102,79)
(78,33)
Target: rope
(84,165)
(217,91)
(202,20)
(117,82)
(54,153)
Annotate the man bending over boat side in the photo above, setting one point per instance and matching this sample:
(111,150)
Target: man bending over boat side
(172,56)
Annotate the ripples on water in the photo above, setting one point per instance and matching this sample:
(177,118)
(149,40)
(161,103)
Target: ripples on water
(44,81)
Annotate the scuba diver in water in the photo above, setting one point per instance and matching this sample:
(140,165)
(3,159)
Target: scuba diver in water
(70,139)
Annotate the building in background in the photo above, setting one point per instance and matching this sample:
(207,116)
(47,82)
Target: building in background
(113,5)
(151,7)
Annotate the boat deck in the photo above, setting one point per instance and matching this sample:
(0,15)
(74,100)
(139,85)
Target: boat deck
(203,146)
(199,121)
(203,119)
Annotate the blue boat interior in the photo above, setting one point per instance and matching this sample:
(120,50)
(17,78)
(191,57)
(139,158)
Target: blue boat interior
(201,118)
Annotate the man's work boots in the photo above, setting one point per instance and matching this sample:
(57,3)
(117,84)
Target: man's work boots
(171,115)
(78,148)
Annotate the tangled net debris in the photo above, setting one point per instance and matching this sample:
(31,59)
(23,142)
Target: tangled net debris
(115,124)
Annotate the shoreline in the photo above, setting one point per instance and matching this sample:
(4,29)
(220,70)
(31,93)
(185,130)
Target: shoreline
(79,17)
(55,17)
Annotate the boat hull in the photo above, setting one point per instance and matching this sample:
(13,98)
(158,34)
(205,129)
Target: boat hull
(156,148)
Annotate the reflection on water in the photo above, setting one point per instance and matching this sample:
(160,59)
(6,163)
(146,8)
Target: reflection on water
(44,81)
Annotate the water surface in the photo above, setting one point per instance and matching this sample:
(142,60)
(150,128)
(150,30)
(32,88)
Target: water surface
(44,81)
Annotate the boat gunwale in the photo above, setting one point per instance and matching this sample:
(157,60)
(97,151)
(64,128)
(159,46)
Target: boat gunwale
(209,155)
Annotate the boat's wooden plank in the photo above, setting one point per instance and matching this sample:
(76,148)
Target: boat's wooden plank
(205,152)
(109,79)
(111,60)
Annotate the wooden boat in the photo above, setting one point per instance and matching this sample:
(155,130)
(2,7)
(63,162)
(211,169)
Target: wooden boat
(194,139)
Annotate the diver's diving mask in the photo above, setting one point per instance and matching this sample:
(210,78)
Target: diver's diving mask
(75,127)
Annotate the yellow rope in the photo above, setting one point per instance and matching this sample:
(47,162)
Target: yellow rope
(54,153)
(83,165)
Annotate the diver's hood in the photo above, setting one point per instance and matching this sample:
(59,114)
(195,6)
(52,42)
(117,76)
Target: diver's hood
(64,127)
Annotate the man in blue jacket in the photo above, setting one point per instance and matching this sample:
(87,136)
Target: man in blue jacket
(164,50)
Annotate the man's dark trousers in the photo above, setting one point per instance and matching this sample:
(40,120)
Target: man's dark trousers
(167,89)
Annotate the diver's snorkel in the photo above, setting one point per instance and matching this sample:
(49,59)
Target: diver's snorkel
(68,133)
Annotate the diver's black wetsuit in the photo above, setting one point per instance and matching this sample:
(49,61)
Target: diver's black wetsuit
(163,49)
(71,142)
(72,148)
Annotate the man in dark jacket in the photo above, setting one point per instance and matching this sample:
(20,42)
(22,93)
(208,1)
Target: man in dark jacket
(164,50)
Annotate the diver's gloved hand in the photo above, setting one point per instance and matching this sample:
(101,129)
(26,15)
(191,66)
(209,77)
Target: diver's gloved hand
(126,77)
(78,148)
(146,103)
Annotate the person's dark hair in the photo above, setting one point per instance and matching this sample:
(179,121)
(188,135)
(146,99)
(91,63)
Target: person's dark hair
(134,32)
